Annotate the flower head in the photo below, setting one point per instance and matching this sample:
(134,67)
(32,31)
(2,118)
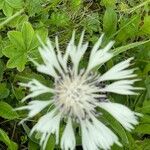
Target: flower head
(77,93)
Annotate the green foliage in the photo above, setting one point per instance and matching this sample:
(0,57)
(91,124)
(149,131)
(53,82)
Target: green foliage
(22,44)
(126,22)
(8,6)
(146,26)
(4,138)
(110,21)
(7,111)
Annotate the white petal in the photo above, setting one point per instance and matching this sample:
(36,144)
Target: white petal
(97,45)
(49,57)
(123,87)
(76,53)
(96,135)
(62,61)
(121,113)
(119,72)
(68,138)
(35,107)
(36,89)
(47,125)
(98,57)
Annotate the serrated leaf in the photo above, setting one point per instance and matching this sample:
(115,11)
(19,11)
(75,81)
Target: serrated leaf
(22,45)
(7,112)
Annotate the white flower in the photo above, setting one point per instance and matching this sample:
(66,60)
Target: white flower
(77,93)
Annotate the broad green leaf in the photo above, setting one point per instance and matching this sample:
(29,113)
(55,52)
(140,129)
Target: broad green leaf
(15,3)
(16,39)
(7,9)
(10,51)
(110,21)
(5,139)
(7,112)
(27,34)
(121,49)
(18,61)
(23,44)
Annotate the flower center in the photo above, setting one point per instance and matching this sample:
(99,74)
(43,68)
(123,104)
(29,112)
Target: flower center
(76,96)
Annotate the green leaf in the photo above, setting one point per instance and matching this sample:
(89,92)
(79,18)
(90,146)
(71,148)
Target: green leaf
(28,34)
(7,9)
(18,61)
(4,92)
(143,145)
(2,68)
(1,4)
(15,3)
(109,3)
(146,26)
(121,49)
(23,44)
(5,139)
(128,28)
(16,39)
(34,6)
(145,108)
(33,146)
(51,143)
(75,5)
(143,128)
(7,112)
(110,21)
(60,19)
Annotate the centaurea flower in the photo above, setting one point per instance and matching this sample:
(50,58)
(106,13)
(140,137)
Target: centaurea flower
(77,93)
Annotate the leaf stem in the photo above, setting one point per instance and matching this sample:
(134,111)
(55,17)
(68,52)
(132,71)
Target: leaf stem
(11,18)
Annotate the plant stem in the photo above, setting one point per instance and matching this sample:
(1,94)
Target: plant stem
(11,18)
